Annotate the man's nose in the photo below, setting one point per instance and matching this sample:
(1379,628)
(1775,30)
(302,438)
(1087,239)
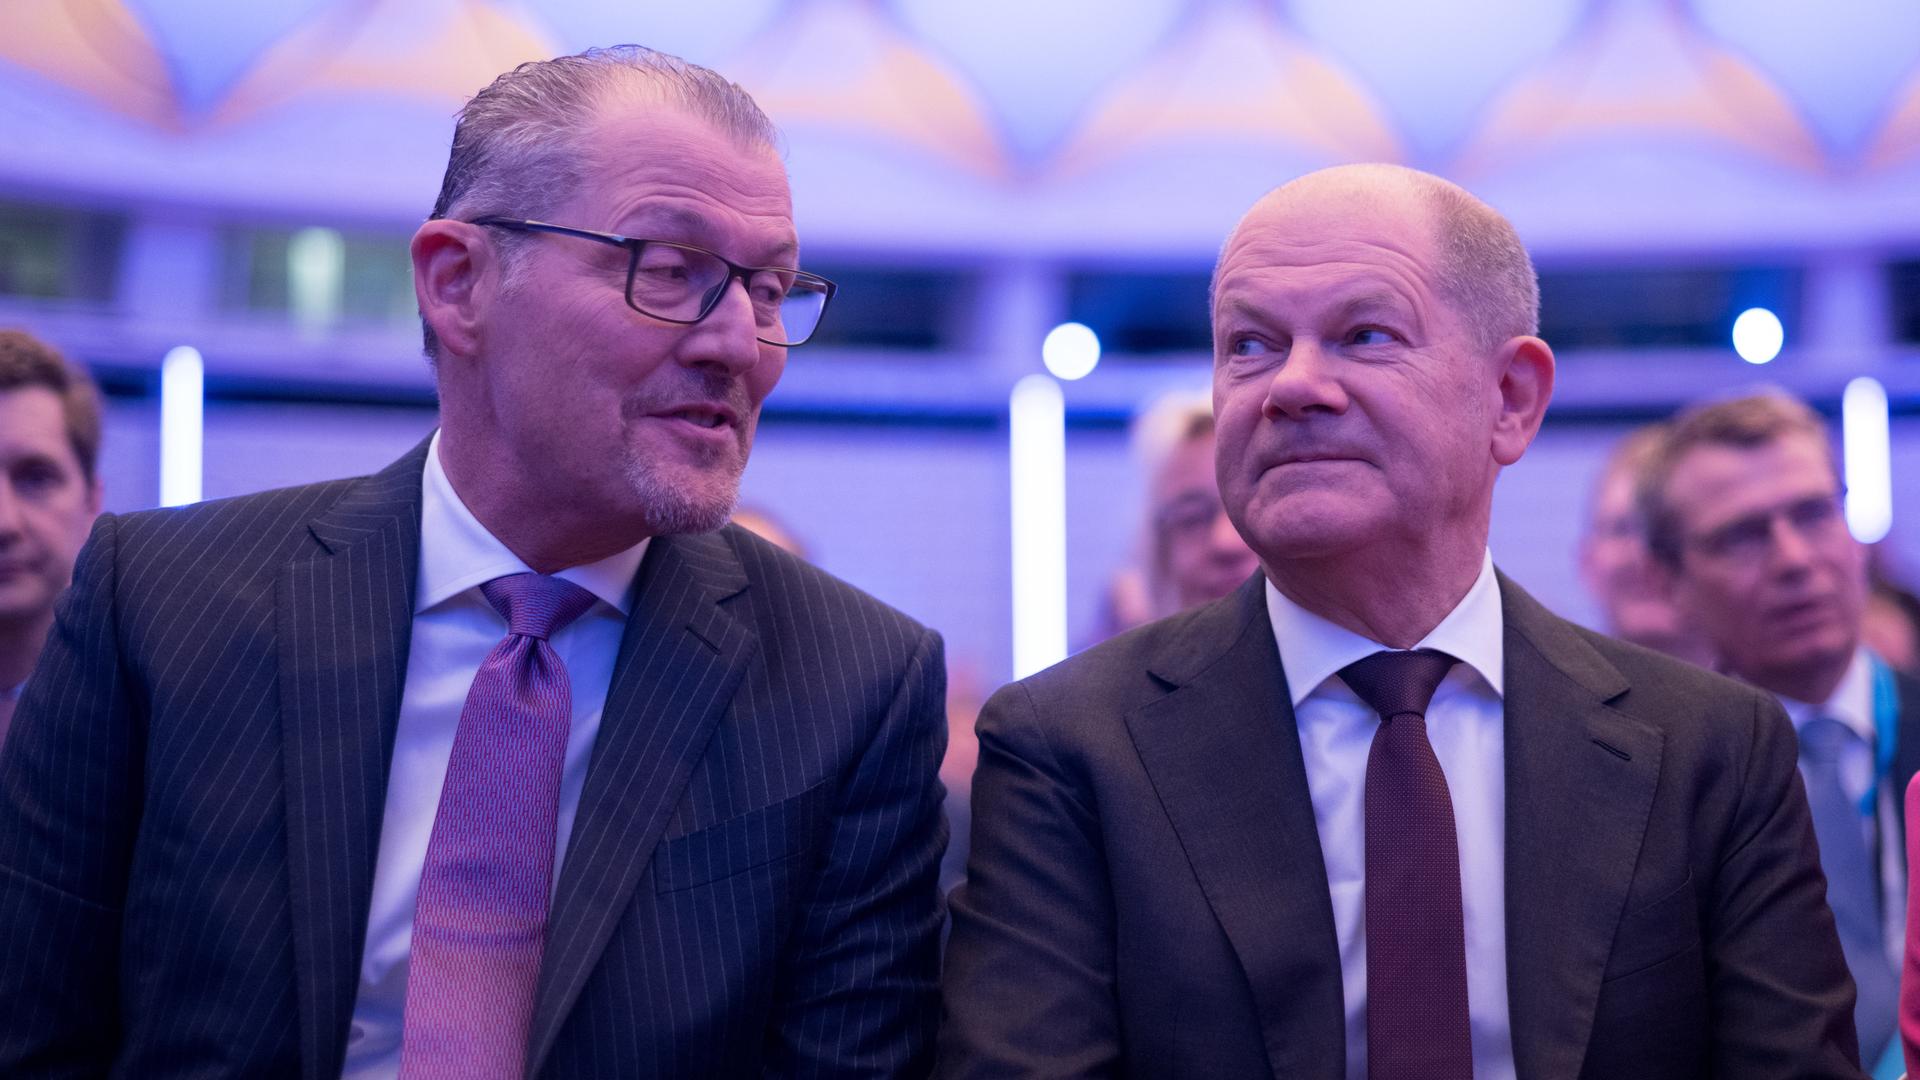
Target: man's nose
(728,338)
(12,522)
(1791,551)
(1307,381)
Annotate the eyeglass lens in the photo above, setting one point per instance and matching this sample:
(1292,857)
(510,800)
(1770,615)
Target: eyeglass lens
(673,282)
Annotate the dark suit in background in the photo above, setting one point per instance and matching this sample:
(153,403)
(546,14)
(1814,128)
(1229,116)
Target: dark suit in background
(1146,896)
(190,808)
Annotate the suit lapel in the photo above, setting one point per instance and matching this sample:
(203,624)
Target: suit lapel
(680,659)
(1580,786)
(344,617)
(1224,757)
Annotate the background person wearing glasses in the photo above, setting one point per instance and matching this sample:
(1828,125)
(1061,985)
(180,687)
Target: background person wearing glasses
(1743,509)
(510,760)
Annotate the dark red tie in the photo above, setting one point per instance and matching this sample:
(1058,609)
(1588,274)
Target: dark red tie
(1417,1026)
(480,921)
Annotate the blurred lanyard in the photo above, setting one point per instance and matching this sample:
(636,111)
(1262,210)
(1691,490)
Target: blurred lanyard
(1886,726)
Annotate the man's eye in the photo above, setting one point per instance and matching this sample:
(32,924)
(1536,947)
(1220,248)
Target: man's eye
(1370,335)
(1247,346)
(771,289)
(34,481)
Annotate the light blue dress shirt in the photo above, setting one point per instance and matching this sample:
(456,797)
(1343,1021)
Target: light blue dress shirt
(454,628)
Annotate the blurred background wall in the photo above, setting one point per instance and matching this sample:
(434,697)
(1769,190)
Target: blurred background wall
(243,177)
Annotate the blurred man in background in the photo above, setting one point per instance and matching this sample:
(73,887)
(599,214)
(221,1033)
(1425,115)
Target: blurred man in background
(1193,553)
(1615,563)
(1744,512)
(49,496)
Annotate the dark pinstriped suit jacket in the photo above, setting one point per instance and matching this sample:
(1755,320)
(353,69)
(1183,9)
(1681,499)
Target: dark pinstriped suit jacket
(191,801)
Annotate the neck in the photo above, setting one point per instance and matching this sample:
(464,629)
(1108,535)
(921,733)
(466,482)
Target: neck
(20,644)
(1393,598)
(1812,683)
(543,528)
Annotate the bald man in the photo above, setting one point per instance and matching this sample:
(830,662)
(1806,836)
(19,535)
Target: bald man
(1378,814)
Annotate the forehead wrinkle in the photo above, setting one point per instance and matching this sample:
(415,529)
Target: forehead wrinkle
(1376,291)
(697,225)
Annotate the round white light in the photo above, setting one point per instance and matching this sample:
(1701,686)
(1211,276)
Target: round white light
(1070,351)
(1758,335)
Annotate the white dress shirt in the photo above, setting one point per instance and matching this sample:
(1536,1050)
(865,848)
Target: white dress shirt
(454,628)
(1465,724)
(1852,704)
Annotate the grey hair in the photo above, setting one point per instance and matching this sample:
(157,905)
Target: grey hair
(519,145)
(1483,268)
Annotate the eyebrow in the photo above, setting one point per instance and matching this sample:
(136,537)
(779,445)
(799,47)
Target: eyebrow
(698,225)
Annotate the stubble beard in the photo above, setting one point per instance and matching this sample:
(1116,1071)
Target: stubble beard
(694,498)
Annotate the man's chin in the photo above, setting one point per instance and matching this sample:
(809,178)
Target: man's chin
(679,500)
(1283,536)
(26,596)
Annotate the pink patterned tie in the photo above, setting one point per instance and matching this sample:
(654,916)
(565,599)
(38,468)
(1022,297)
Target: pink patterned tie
(481,918)
(1417,1021)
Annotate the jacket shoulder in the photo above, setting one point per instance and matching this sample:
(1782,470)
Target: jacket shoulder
(1142,664)
(295,506)
(793,593)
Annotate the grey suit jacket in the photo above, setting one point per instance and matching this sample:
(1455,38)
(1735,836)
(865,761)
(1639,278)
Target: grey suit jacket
(1146,894)
(191,800)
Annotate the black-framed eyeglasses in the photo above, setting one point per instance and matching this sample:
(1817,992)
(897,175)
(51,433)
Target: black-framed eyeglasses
(681,283)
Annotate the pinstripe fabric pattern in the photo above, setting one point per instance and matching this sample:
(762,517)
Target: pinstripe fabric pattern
(191,798)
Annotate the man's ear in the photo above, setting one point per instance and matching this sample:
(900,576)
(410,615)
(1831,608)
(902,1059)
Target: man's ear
(1524,367)
(451,260)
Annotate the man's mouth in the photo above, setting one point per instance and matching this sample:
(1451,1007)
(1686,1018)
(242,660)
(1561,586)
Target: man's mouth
(705,416)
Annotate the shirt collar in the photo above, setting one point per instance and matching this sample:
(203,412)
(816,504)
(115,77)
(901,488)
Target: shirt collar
(457,553)
(1851,702)
(1313,649)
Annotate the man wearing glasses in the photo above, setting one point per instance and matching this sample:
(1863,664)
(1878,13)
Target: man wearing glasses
(510,760)
(1743,509)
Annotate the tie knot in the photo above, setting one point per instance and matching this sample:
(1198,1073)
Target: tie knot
(1396,683)
(535,605)
(1823,739)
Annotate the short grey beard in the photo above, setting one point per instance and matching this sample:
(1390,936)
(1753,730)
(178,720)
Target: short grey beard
(672,508)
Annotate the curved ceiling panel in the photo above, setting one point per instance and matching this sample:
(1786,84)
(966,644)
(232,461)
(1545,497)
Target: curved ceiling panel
(1842,61)
(845,69)
(441,51)
(1063,123)
(1642,75)
(1436,66)
(1040,64)
(94,47)
(209,45)
(1238,78)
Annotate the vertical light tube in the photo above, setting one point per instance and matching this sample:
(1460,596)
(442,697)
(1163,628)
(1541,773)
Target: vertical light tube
(182,402)
(1039,460)
(1869,464)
